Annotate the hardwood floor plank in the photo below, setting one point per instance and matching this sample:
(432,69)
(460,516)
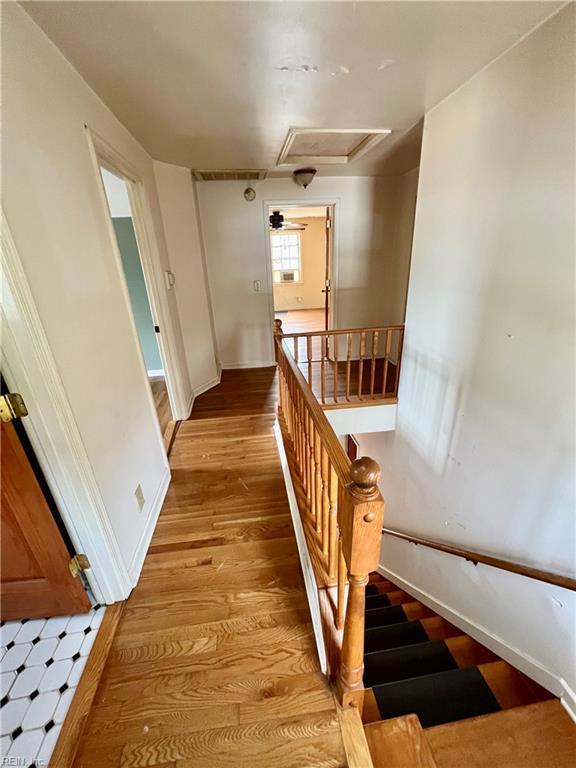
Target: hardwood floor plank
(214,661)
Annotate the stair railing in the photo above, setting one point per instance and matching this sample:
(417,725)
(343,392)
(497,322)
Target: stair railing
(342,512)
(350,365)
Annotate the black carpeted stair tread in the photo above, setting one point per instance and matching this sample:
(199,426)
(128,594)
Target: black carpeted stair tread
(440,698)
(372,589)
(394,636)
(407,661)
(377,601)
(380,617)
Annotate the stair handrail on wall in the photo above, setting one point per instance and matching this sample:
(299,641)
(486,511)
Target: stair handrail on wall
(350,366)
(342,512)
(558,579)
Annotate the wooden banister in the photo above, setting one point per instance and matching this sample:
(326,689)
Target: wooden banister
(496,562)
(342,513)
(349,365)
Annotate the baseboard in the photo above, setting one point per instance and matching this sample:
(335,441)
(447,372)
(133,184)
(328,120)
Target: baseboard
(142,548)
(207,385)
(189,405)
(307,570)
(249,364)
(513,656)
(79,710)
(156,372)
(568,699)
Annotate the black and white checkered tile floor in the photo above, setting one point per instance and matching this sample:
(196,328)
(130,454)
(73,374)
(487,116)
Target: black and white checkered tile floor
(41,661)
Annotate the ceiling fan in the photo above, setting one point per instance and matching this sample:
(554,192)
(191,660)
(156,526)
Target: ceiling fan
(278,222)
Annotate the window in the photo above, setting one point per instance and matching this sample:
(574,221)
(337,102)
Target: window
(286,257)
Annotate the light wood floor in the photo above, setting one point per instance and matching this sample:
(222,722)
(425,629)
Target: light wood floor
(301,320)
(213,664)
(161,402)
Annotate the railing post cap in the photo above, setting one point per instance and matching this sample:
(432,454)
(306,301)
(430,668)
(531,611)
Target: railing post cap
(278,326)
(365,473)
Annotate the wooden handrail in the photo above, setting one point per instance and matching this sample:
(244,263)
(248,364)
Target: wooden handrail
(342,513)
(496,562)
(344,331)
(348,366)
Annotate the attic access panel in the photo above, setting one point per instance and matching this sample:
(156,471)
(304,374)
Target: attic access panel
(334,146)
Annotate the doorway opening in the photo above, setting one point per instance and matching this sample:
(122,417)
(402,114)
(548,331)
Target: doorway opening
(119,206)
(301,254)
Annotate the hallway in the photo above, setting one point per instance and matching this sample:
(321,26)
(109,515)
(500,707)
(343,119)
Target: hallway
(214,661)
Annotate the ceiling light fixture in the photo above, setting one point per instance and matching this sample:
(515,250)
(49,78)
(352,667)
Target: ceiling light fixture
(303,176)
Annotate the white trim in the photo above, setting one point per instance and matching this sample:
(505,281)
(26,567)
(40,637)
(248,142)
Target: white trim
(199,391)
(103,154)
(248,364)
(373,137)
(144,543)
(206,386)
(568,699)
(155,372)
(526,664)
(30,368)
(307,570)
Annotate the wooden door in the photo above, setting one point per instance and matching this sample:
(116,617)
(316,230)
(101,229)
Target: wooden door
(35,580)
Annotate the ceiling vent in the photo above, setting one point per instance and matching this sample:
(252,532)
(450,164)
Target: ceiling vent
(329,146)
(230,175)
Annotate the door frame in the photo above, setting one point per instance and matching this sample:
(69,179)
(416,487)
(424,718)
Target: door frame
(103,154)
(29,367)
(308,202)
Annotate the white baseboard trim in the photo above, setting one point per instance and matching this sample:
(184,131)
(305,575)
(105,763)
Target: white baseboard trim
(568,699)
(306,563)
(513,656)
(144,543)
(249,364)
(156,372)
(207,385)
(199,390)
(189,405)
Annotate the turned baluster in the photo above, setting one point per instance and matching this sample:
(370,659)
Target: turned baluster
(387,348)
(373,366)
(348,359)
(342,579)
(360,527)
(332,523)
(362,351)
(318,483)
(325,469)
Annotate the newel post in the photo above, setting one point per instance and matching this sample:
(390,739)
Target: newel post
(361,530)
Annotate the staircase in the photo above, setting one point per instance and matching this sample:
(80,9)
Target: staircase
(436,698)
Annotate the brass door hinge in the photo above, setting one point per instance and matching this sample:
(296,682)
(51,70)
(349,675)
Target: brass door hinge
(78,563)
(12,406)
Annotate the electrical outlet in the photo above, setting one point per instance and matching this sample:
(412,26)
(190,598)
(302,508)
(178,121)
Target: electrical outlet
(139,493)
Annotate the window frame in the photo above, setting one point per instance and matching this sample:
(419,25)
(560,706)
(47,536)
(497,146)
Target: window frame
(298,269)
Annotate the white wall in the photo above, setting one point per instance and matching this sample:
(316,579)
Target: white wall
(53,205)
(234,237)
(178,206)
(483,453)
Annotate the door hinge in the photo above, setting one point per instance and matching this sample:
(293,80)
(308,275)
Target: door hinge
(12,406)
(78,563)
(156,329)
